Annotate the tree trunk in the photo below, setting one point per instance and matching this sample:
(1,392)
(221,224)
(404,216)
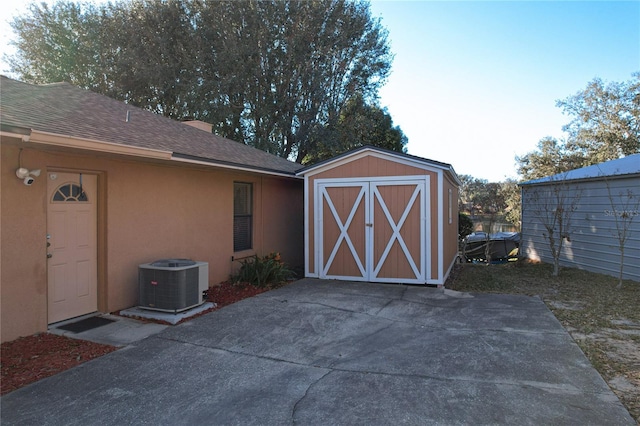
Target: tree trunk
(621,267)
(556,266)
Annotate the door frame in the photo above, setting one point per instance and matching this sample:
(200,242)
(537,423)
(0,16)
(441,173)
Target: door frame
(101,229)
(369,186)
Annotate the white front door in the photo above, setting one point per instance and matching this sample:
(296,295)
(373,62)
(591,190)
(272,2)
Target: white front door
(372,230)
(72,245)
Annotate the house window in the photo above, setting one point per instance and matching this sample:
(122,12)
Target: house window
(242,216)
(70,192)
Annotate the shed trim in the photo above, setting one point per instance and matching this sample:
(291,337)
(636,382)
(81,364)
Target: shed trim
(370,270)
(400,158)
(440,224)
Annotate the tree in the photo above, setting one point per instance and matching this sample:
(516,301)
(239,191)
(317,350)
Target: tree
(553,206)
(510,193)
(465,226)
(61,43)
(624,209)
(479,196)
(272,74)
(465,193)
(358,124)
(606,119)
(550,158)
(154,59)
(605,125)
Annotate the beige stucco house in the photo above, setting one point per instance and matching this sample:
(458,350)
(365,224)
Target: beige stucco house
(92,188)
(118,187)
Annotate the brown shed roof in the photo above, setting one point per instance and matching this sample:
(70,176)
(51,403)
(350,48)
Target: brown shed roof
(66,110)
(384,152)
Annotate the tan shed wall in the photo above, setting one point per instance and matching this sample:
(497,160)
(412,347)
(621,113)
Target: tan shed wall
(450,231)
(147,212)
(370,167)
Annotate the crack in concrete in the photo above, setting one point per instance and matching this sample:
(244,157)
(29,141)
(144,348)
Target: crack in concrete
(564,388)
(306,392)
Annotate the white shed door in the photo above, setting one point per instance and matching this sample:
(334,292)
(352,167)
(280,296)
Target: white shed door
(372,230)
(72,245)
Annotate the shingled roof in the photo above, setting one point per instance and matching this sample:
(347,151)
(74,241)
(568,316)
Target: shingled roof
(66,110)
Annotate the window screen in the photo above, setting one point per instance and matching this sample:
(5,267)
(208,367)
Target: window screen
(242,216)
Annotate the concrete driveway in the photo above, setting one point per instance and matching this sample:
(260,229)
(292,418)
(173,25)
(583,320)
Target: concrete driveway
(337,353)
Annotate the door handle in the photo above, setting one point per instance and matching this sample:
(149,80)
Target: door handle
(49,255)
(369,225)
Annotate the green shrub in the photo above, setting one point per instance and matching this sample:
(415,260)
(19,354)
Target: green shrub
(465,225)
(263,271)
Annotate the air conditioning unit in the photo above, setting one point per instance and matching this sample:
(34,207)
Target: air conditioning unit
(173,285)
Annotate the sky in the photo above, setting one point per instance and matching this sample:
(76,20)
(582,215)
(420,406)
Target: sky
(475,83)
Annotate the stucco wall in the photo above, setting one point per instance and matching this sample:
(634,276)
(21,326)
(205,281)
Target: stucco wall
(23,280)
(147,211)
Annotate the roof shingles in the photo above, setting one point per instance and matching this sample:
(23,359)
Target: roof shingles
(66,110)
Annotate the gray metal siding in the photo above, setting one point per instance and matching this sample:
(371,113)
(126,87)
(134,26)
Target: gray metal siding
(593,244)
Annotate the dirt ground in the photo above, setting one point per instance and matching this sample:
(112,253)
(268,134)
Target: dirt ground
(604,320)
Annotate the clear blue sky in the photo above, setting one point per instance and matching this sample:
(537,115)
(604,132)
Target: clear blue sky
(475,83)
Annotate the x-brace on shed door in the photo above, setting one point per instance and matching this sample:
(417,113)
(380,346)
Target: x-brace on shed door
(372,230)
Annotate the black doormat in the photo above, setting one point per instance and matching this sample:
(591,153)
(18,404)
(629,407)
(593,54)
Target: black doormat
(86,324)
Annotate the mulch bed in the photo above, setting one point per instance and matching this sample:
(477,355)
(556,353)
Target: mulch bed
(32,358)
(29,359)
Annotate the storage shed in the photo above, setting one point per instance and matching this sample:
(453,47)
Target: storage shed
(380,216)
(605,199)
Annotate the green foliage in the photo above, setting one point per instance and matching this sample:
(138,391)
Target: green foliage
(510,192)
(479,196)
(59,43)
(605,121)
(262,271)
(271,74)
(465,225)
(550,158)
(605,125)
(493,201)
(358,124)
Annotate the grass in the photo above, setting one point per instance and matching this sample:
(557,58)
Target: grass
(602,319)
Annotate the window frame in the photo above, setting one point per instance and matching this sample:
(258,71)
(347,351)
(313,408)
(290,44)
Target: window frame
(243,222)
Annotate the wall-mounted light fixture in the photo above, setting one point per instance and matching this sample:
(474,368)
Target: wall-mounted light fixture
(27,176)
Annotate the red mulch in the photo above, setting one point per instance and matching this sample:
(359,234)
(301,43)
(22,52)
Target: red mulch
(228,293)
(29,359)
(32,358)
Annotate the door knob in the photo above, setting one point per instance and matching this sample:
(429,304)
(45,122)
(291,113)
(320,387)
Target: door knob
(49,255)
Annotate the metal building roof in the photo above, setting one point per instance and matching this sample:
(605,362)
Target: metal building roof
(629,165)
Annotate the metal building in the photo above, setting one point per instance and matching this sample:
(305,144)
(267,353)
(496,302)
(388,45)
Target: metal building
(604,204)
